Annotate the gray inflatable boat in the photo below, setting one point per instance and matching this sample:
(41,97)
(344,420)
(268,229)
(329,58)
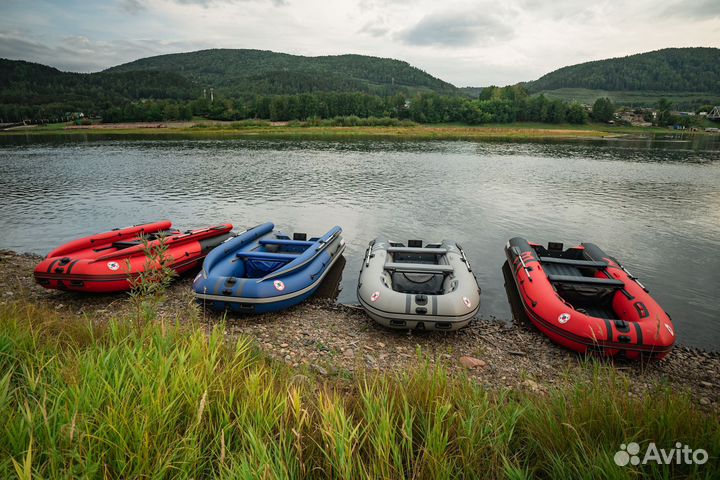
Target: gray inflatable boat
(416,287)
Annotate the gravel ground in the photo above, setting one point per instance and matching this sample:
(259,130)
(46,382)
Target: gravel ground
(336,340)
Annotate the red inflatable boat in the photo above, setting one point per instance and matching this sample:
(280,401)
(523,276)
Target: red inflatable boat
(587,301)
(99,263)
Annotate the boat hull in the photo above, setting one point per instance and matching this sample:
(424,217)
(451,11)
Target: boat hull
(631,323)
(221,285)
(393,306)
(112,261)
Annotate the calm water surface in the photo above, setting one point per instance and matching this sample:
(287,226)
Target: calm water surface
(654,204)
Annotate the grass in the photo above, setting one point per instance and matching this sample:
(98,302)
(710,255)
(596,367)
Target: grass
(646,99)
(410,131)
(123,400)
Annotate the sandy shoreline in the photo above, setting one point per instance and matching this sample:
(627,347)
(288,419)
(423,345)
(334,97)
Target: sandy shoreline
(337,340)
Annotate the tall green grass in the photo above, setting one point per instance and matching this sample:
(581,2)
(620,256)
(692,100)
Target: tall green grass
(123,400)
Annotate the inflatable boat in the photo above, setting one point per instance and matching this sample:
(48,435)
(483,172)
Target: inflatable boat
(585,300)
(416,287)
(107,262)
(263,270)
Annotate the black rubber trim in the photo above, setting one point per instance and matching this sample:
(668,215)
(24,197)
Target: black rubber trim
(375,310)
(638,333)
(608,326)
(52,265)
(72,264)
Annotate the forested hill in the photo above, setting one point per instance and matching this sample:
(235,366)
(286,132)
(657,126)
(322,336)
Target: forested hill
(237,72)
(670,69)
(35,91)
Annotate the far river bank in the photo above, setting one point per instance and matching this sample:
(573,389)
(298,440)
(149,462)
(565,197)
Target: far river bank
(299,130)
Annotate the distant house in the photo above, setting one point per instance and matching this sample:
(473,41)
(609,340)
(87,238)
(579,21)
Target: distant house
(635,118)
(73,115)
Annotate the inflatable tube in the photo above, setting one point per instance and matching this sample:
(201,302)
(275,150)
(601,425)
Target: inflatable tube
(429,288)
(263,270)
(107,262)
(587,301)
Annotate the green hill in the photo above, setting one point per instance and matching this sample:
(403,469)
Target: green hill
(31,90)
(237,72)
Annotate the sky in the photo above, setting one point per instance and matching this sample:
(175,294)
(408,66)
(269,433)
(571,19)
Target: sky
(467,43)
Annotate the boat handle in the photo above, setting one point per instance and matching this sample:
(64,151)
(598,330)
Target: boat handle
(324,243)
(464,258)
(517,252)
(633,278)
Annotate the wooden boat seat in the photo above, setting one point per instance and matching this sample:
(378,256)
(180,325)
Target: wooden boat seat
(574,263)
(267,256)
(285,242)
(417,268)
(593,281)
(435,251)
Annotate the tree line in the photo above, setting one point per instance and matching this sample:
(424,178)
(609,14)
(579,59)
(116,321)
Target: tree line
(494,105)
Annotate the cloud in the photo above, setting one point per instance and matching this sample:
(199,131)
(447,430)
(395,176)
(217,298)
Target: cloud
(696,9)
(80,54)
(376,28)
(208,3)
(132,6)
(458,28)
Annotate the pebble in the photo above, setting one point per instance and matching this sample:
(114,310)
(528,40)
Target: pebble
(531,384)
(284,345)
(348,353)
(706,384)
(471,362)
(704,401)
(370,359)
(319,369)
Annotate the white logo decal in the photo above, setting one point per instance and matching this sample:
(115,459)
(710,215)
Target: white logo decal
(467,302)
(113,266)
(279,285)
(680,455)
(564,318)
(669,329)
(374,296)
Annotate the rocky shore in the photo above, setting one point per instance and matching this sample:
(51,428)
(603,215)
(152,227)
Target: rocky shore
(336,340)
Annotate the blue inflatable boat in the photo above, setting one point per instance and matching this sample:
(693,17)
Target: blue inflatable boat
(263,270)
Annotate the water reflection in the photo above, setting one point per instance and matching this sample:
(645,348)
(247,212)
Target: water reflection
(655,206)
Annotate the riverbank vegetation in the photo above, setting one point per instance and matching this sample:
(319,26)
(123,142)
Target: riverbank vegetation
(129,399)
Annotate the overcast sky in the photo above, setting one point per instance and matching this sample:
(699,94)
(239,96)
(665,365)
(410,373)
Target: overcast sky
(473,43)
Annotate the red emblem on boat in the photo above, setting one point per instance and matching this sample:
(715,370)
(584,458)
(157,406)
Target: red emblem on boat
(279,285)
(564,318)
(467,302)
(113,265)
(374,296)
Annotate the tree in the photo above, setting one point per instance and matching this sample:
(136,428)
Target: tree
(665,117)
(576,114)
(603,110)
